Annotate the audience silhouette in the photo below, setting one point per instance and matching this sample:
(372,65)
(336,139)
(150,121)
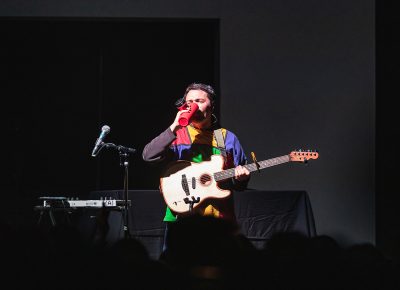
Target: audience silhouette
(203,253)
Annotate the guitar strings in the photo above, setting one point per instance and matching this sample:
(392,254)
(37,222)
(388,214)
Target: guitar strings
(217,176)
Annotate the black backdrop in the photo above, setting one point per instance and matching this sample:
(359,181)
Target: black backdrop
(237,14)
(64,79)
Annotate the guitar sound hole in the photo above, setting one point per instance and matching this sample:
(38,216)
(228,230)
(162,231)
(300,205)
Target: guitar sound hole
(205,179)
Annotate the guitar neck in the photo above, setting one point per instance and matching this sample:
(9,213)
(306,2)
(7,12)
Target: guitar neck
(228,173)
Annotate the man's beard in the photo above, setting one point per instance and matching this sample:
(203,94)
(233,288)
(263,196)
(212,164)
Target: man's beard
(198,116)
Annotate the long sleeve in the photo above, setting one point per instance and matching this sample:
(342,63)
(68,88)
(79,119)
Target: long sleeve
(157,149)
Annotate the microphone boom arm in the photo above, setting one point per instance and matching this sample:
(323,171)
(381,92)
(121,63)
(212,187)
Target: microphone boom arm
(119,148)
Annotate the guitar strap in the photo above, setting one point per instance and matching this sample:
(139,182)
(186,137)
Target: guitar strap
(220,141)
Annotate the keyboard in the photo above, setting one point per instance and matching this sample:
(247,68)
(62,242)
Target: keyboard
(63,202)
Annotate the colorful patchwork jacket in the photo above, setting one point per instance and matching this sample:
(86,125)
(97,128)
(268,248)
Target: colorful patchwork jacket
(195,145)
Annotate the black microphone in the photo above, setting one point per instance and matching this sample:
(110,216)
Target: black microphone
(99,142)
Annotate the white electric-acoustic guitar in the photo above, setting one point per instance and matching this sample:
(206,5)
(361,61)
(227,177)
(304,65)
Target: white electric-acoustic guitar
(185,185)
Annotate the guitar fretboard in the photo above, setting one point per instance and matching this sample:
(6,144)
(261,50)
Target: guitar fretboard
(228,173)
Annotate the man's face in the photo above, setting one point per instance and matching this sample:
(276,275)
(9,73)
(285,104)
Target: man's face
(201,99)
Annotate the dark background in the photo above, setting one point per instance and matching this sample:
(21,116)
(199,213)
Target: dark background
(65,79)
(311,74)
(388,132)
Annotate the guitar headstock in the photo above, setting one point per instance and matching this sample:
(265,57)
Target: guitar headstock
(303,155)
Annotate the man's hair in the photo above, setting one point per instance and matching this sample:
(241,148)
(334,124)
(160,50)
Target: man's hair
(203,87)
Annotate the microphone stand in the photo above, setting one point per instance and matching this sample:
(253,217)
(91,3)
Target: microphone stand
(124,162)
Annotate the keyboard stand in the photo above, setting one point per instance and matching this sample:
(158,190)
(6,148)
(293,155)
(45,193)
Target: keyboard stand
(50,212)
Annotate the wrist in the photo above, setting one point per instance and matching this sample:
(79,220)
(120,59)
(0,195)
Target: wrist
(174,127)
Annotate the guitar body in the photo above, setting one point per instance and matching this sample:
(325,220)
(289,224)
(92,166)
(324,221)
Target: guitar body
(185,180)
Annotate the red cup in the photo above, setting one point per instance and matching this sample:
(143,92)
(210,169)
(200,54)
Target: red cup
(184,119)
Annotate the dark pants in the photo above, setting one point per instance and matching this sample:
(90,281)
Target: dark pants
(167,224)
